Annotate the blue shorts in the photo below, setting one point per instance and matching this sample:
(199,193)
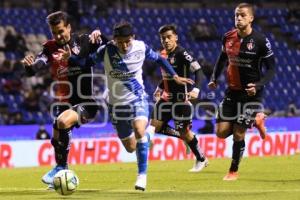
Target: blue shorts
(122,116)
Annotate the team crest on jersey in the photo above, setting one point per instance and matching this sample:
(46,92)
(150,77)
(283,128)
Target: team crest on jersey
(250,45)
(172,60)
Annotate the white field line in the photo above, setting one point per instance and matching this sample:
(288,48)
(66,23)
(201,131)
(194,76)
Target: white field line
(155,191)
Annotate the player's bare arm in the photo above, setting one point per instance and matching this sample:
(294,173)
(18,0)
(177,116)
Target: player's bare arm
(182,80)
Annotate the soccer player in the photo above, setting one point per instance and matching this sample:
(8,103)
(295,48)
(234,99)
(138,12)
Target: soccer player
(245,50)
(173,99)
(123,59)
(75,104)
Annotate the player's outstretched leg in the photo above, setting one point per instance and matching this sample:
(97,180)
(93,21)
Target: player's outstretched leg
(61,149)
(201,161)
(142,148)
(170,131)
(237,154)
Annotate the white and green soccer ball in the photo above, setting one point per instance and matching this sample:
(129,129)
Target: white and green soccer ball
(65,182)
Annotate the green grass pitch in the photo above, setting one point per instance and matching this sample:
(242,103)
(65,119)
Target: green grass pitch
(260,178)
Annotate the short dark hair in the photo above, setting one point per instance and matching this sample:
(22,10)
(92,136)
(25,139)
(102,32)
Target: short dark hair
(247,5)
(56,17)
(167,27)
(123,29)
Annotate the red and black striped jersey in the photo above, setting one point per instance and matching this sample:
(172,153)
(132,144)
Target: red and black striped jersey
(72,83)
(184,65)
(244,56)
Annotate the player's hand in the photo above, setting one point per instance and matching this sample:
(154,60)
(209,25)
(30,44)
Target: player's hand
(182,81)
(194,94)
(28,60)
(95,37)
(212,85)
(65,53)
(251,90)
(157,94)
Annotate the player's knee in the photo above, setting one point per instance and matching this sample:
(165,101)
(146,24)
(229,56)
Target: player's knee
(159,129)
(184,136)
(130,148)
(139,132)
(238,136)
(221,133)
(184,131)
(62,123)
(158,125)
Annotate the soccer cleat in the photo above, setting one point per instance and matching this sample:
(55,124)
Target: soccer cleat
(50,187)
(49,176)
(260,124)
(231,176)
(141,182)
(198,166)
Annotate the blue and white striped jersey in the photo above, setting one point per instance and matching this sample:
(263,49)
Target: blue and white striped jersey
(124,71)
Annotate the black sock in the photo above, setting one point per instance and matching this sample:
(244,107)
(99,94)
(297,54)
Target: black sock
(62,146)
(194,146)
(237,154)
(169,131)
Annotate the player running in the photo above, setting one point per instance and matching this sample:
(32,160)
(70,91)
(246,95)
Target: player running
(245,50)
(123,59)
(173,99)
(75,104)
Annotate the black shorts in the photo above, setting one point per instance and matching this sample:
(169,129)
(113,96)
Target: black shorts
(86,111)
(239,108)
(180,112)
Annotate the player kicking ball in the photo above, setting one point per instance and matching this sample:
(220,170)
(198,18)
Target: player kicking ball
(70,109)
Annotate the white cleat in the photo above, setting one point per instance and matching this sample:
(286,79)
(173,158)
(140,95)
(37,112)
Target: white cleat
(198,166)
(141,182)
(50,187)
(49,176)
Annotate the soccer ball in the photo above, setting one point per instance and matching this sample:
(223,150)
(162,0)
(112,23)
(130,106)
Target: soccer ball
(65,182)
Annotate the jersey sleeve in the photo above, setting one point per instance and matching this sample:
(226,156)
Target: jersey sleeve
(86,47)
(220,64)
(190,61)
(40,62)
(98,56)
(266,48)
(42,57)
(194,66)
(268,61)
(150,54)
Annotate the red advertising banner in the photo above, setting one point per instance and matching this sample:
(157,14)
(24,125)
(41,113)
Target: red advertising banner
(88,151)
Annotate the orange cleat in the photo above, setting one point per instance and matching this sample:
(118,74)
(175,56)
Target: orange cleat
(231,176)
(260,124)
